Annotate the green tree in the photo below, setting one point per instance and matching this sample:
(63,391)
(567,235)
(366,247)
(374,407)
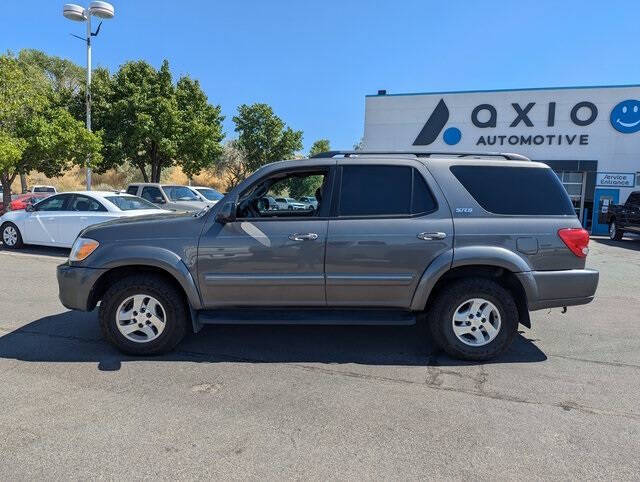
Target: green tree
(306,186)
(321,145)
(153,123)
(35,132)
(263,137)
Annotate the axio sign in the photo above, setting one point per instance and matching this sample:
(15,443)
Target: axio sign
(592,123)
(485,116)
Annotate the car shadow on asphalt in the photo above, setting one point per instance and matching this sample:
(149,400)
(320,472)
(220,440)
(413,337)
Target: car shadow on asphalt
(632,243)
(75,337)
(39,250)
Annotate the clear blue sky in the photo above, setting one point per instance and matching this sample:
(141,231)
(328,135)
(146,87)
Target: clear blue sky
(315,61)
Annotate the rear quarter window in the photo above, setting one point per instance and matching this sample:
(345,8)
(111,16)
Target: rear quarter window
(515,190)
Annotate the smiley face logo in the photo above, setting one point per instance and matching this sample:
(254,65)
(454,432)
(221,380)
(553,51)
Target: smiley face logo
(625,117)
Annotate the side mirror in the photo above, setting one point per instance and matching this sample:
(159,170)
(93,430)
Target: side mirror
(159,200)
(29,208)
(227,213)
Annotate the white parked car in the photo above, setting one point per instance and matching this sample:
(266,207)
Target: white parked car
(58,219)
(207,194)
(38,188)
(289,203)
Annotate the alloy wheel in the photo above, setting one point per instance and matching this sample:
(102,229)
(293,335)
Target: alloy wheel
(476,322)
(10,236)
(141,318)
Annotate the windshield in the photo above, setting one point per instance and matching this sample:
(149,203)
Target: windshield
(180,193)
(130,203)
(210,193)
(43,189)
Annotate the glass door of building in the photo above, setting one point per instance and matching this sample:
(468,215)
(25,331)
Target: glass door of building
(574,183)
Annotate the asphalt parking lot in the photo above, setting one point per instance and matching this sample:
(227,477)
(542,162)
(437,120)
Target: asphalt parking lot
(319,402)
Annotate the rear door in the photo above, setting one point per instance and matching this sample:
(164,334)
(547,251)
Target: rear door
(43,225)
(390,222)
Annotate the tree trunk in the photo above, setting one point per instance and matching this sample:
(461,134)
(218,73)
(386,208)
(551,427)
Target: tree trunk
(23,183)
(6,189)
(144,174)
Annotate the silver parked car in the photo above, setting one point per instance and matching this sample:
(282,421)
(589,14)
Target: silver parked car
(169,196)
(310,202)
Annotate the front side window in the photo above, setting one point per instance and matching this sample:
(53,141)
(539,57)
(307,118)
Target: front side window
(515,190)
(275,196)
(180,193)
(634,199)
(374,190)
(54,203)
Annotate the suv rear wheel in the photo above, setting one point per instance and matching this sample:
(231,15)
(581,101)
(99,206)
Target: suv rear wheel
(474,319)
(143,315)
(614,232)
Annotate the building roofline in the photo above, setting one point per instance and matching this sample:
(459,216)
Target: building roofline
(621,86)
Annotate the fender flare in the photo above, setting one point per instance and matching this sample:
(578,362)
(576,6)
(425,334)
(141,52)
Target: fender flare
(156,257)
(466,256)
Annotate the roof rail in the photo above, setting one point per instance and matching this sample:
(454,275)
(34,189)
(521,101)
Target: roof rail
(505,155)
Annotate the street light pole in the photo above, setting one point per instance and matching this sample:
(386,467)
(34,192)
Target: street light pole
(80,14)
(87,94)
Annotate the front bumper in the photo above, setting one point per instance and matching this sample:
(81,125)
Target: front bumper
(75,286)
(552,289)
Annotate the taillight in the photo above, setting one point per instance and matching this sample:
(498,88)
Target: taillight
(576,239)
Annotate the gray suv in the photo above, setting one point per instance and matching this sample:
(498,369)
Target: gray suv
(469,243)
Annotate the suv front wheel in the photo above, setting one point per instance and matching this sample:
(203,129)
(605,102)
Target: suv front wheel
(474,319)
(143,315)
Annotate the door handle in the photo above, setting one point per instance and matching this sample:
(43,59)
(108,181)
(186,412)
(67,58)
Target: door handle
(431,236)
(303,237)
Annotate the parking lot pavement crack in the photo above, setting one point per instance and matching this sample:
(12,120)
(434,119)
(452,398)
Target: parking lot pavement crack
(598,362)
(475,392)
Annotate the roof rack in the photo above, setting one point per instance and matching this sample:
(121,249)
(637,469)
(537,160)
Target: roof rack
(505,155)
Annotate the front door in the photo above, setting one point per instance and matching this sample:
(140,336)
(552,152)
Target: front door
(42,226)
(267,256)
(391,223)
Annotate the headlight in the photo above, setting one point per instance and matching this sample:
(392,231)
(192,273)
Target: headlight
(82,248)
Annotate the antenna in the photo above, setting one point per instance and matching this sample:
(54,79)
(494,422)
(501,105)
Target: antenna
(95,34)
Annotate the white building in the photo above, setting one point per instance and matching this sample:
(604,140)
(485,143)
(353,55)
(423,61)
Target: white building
(589,135)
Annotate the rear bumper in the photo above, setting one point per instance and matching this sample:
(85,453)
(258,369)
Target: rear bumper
(552,289)
(75,285)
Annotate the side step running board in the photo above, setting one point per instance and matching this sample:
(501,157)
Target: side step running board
(301,316)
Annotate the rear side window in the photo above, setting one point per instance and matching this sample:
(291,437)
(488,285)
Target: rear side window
(383,191)
(515,190)
(151,194)
(132,190)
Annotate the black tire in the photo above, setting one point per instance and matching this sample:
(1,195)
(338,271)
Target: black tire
(170,298)
(615,233)
(18,244)
(451,297)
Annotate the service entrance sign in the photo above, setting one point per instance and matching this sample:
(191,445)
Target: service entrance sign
(616,179)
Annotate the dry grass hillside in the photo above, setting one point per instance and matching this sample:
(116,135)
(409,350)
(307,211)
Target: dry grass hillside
(74,179)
